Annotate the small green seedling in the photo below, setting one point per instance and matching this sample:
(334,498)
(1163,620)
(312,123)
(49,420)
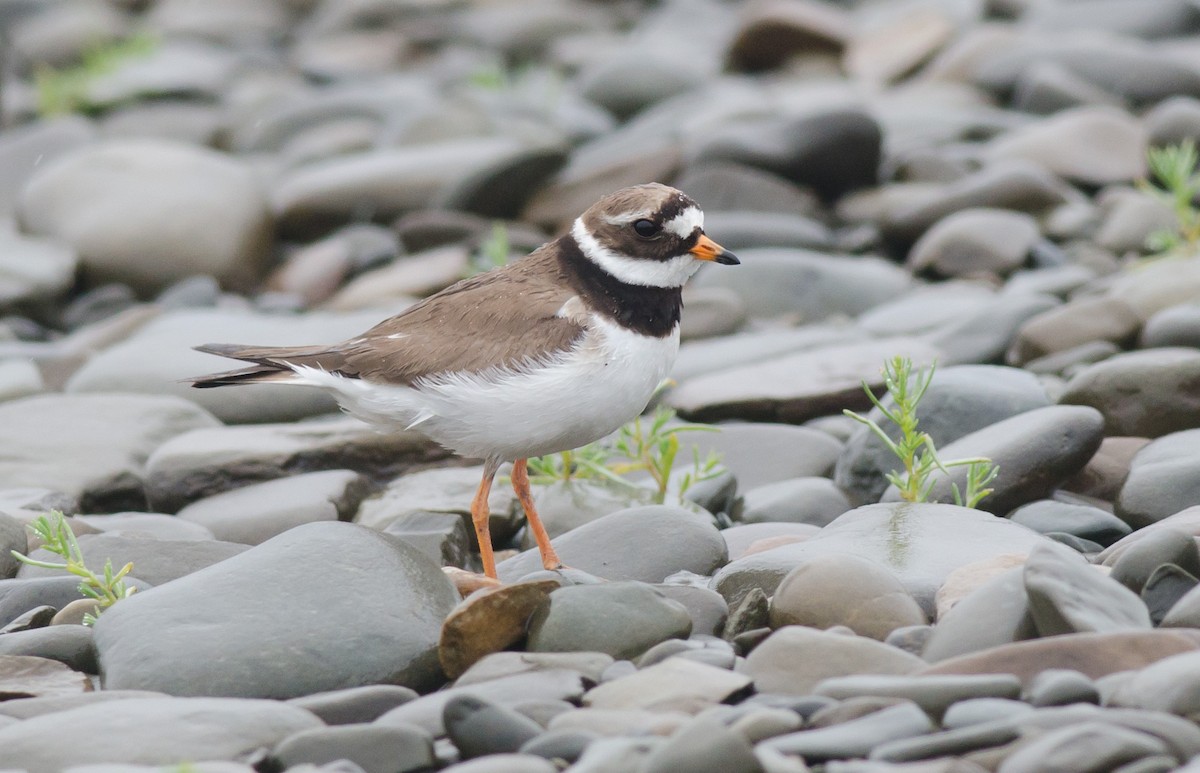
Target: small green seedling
(915,449)
(65,90)
(1175,182)
(106,589)
(648,445)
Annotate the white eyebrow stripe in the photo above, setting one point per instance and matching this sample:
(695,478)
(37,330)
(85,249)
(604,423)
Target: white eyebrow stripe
(648,273)
(685,223)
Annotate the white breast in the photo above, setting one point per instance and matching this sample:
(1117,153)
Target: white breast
(555,405)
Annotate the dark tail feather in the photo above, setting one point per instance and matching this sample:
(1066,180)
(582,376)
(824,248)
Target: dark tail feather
(266,369)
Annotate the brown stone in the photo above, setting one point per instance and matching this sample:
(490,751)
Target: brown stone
(24,676)
(490,620)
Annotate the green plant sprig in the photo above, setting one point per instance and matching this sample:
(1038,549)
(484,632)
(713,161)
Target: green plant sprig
(1175,182)
(65,90)
(915,449)
(106,589)
(650,446)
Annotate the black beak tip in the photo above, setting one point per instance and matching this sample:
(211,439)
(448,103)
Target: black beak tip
(727,258)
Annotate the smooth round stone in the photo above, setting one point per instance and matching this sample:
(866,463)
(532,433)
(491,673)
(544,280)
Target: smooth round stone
(758,724)
(794,659)
(35,271)
(1172,121)
(1061,687)
(13,536)
(590,665)
(929,308)
(1173,326)
(704,745)
(974,242)
(918,543)
(20,378)
(857,737)
(1164,479)
(977,711)
(111,436)
(1075,323)
(910,638)
(220,221)
(713,312)
(959,401)
(18,597)
(1033,452)
(1185,611)
(1047,87)
(253,514)
(762,453)
(567,505)
(1067,595)
(622,619)
(641,543)
(815,501)
(729,187)
(70,645)
(701,649)
(1091,523)
(813,285)
(152,731)
(1143,394)
(830,590)
(983,336)
(479,728)
(148,525)
(1129,218)
(741,230)
(1017,185)
(442,536)
(623,753)
(746,538)
(995,613)
(372,748)
(1135,560)
(1105,473)
(1168,585)
(145,641)
(1158,286)
(672,684)
(155,561)
(355,705)
(705,607)
(1094,145)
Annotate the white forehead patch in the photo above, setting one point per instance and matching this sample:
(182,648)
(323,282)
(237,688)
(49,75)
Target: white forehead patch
(634,271)
(685,223)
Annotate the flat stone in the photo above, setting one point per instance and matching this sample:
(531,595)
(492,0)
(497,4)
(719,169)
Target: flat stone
(1142,394)
(934,694)
(24,149)
(1090,746)
(220,221)
(372,749)
(994,614)
(1062,687)
(444,537)
(1067,595)
(111,438)
(622,619)
(705,607)
(1105,473)
(815,501)
(398,609)
(1092,654)
(794,659)
(479,728)
(642,543)
(704,745)
(354,705)
(147,525)
(1094,145)
(918,543)
(1135,559)
(975,242)
(255,513)
(505,763)
(1167,586)
(151,731)
(761,453)
(985,335)
(1033,452)
(1074,324)
(857,737)
(1085,521)
(1173,326)
(209,461)
(796,387)
(497,665)
(27,676)
(673,684)
(830,590)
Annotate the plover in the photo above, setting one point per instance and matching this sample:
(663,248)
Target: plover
(545,354)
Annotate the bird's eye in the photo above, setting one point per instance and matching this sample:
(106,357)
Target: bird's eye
(646,228)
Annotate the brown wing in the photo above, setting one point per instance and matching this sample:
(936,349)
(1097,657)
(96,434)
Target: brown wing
(504,318)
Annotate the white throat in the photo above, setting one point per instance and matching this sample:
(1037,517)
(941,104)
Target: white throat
(647,273)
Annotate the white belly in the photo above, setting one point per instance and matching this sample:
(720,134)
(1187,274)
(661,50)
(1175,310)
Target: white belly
(561,404)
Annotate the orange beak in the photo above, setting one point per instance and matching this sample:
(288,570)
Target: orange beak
(707,249)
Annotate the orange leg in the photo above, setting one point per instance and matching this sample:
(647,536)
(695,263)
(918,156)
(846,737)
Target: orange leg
(479,516)
(520,481)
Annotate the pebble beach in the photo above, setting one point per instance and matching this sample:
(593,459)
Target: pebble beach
(966,184)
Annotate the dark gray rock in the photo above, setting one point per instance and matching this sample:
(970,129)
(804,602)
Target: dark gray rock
(479,728)
(566,745)
(19,596)
(975,242)
(705,607)
(622,619)
(959,401)
(70,645)
(1173,326)
(1034,452)
(1139,559)
(13,536)
(815,501)
(151,731)
(444,537)
(354,705)
(642,543)
(373,748)
(994,614)
(1165,588)
(166,640)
